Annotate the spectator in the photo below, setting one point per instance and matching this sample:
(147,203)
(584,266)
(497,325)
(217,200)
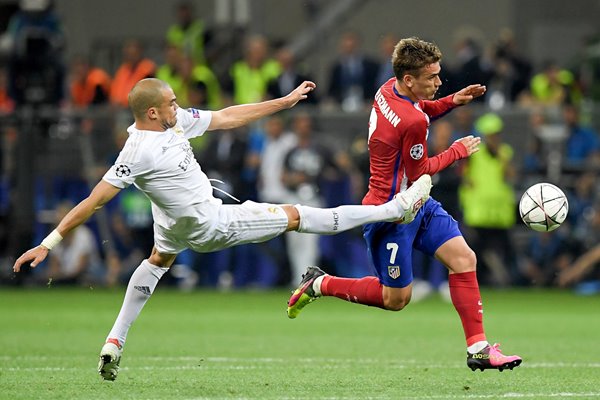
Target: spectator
(76,258)
(359,158)
(582,198)
(534,158)
(203,88)
(269,157)
(193,84)
(134,68)
(587,65)
(471,66)
(267,154)
(7,104)
(35,68)
(224,159)
(462,122)
(289,77)
(90,85)
(251,76)
(513,70)
(127,251)
(306,166)
(352,80)
(554,86)
(188,34)
(488,201)
(586,265)
(170,72)
(583,144)
(545,256)
(386,48)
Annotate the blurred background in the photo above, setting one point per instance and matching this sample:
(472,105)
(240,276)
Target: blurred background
(66,68)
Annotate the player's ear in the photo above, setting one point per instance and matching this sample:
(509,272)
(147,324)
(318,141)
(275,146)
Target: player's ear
(408,80)
(152,113)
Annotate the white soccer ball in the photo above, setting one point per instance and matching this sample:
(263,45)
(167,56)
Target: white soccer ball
(543,207)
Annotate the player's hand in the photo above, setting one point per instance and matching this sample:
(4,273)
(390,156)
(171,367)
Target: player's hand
(300,93)
(467,94)
(471,143)
(35,255)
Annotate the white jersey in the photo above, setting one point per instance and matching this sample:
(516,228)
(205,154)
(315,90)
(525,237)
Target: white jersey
(162,165)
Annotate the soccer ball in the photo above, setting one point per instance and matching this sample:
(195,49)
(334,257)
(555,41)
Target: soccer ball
(543,207)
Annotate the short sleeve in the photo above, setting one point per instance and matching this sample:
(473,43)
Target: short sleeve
(130,164)
(194,122)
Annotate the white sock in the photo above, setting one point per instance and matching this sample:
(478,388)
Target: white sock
(329,221)
(317,285)
(141,286)
(477,347)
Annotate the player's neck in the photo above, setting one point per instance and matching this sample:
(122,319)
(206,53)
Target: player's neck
(401,90)
(149,126)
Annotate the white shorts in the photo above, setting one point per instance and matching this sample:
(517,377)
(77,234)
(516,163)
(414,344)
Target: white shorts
(228,225)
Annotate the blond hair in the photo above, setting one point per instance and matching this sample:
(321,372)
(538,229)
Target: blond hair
(412,54)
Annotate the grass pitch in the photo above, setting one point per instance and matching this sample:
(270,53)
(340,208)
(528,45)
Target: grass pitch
(241,345)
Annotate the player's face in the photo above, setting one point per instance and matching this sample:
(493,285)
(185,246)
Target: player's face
(425,86)
(167,112)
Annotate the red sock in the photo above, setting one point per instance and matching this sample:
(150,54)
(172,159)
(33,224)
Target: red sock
(464,291)
(367,290)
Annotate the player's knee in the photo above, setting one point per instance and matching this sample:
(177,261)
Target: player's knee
(396,303)
(466,261)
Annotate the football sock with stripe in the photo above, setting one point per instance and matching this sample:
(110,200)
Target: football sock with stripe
(465,295)
(141,286)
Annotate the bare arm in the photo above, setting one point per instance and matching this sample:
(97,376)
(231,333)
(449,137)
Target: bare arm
(240,115)
(101,194)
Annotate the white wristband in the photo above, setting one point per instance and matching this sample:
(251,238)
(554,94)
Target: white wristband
(52,240)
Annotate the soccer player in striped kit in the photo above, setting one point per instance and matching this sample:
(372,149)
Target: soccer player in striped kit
(157,158)
(398,127)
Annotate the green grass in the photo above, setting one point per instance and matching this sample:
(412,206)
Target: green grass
(241,345)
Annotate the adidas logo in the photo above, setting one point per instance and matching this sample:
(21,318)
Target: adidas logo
(143,289)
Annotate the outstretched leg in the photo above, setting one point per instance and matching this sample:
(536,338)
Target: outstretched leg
(316,283)
(327,221)
(141,286)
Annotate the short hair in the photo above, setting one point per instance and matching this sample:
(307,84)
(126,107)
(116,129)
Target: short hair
(145,94)
(412,54)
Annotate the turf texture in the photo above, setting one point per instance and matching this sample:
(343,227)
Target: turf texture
(241,345)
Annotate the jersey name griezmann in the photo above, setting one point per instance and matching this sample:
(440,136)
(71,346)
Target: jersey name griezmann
(386,110)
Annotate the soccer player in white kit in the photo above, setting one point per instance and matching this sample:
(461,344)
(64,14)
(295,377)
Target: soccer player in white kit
(158,160)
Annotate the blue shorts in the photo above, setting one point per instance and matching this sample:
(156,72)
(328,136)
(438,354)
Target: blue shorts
(390,245)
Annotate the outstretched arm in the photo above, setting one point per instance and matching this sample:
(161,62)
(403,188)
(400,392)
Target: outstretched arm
(101,194)
(461,148)
(240,115)
(466,95)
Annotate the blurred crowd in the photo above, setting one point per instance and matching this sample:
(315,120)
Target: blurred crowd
(288,158)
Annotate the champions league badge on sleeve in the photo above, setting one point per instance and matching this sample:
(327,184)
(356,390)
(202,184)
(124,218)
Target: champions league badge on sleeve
(122,170)
(416,152)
